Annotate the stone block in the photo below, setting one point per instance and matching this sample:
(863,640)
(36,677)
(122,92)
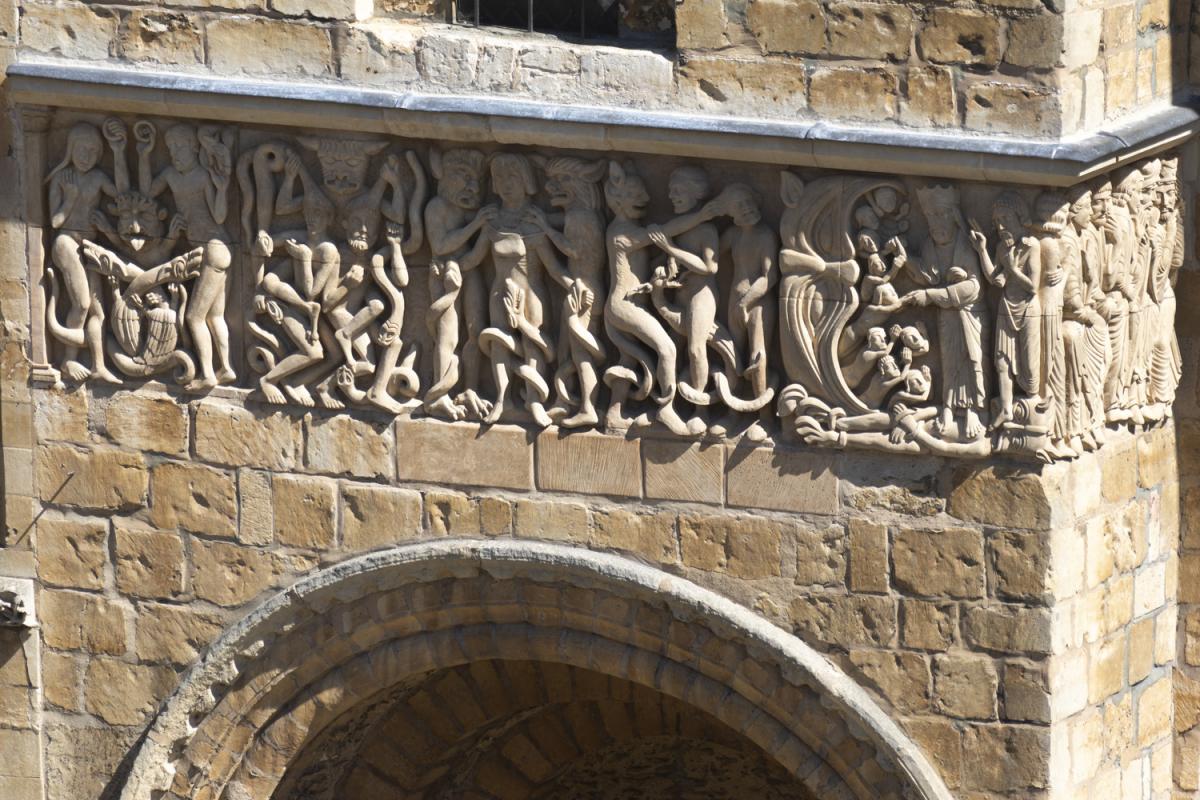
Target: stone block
(941,741)
(244,437)
(304,511)
(782,480)
(1150,588)
(1036,42)
(463,454)
(862,94)
(821,555)
(452,514)
(148,563)
(72,552)
(193,498)
(786,26)
(1156,457)
(588,463)
(929,100)
(744,86)
(998,496)
(965,686)
(960,36)
(901,678)
(1141,650)
(1018,563)
(101,479)
(16,707)
(1006,758)
(59,417)
(22,751)
(125,694)
(945,563)
(1026,693)
(1009,628)
(69,31)
(880,31)
(1118,472)
(869,570)
(700,24)
(348,10)
(375,516)
(1154,708)
(551,519)
(297,49)
(80,622)
(256,514)
(495,516)
(138,422)
(680,470)
(60,679)
(168,634)
(81,761)
(447,60)
(379,51)
(228,574)
(1007,108)
(845,620)
(744,547)
(927,625)
(651,536)
(342,445)
(622,72)
(163,38)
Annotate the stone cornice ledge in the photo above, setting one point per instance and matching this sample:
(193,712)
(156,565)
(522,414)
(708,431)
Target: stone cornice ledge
(505,120)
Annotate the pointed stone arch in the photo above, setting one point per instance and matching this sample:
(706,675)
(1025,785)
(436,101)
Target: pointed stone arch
(313,663)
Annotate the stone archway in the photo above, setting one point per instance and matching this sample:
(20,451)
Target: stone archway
(296,699)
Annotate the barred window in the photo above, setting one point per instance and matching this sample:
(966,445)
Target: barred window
(633,21)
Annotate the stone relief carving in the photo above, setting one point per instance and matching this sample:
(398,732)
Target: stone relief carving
(559,290)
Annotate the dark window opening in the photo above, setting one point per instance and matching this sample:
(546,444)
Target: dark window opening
(622,20)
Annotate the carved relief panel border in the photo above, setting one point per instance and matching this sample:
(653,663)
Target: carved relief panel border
(565,289)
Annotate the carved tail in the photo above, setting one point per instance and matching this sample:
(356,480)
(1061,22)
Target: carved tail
(70,336)
(630,347)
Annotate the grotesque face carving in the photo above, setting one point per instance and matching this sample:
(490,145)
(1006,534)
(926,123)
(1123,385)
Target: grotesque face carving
(139,219)
(571,183)
(343,163)
(625,192)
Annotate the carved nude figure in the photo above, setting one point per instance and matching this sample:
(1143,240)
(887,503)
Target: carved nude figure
(573,185)
(199,191)
(452,217)
(77,186)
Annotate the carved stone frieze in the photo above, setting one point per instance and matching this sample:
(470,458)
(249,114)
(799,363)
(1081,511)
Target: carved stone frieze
(624,294)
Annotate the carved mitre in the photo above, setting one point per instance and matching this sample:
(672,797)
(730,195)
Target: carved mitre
(938,199)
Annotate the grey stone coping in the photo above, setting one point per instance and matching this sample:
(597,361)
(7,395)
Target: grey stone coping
(507,120)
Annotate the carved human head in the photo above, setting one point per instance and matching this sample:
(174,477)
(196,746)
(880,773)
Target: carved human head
(888,367)
(877,339)
(913,337)
(1081,206)
(319,214)
(573,182)
(139,218)
(183,146)
(1010,213)
(459,173)
(84,146)
(867,243)
(344,162)
(513,177)
(887,199)
(940,204)
(865,217)
(686,187)
(1051,211)
(154,299)
(361,222)
(625,191)
(1101,196)
(743,204)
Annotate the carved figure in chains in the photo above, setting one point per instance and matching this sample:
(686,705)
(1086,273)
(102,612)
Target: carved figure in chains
(630,326)
(573,185)
(516,342)
(77,186)
(199,191)
(949,267)
(452,217)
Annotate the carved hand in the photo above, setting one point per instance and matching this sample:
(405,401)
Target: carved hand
(115,133)
(145,133)
(354,276)
(264,245)
(291,165)
(177,227)
(978,241)
(658,237)
(298,249)
(536,216)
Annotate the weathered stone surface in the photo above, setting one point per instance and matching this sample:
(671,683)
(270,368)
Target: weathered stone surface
(845,620)
(902,678)
(1005,108)
(940,563)
(71,31)
(684,470)
(995,496)
(929,100)
(241,437)
(745,547)
(1154,712)
(463,454)
(1106,668)
(20,750)
(865,94)
(551,519)
(588,463)
(869,30)
(373,516)
(1009,628)
(172,634)
(234,46)
(1036,41)
(869,571)
(701,24)
(193,498)
(960,36)
(965,686)
(59,417)
(1026,693)
(820,555)
(495,516)
(148,563)
(345,446)
(1005,758)
(305,510)
(125,694)
(256,514)
(787,26)
(782,480)
(164,38)
(72,552)
(229,574)
(941,741)
(927,625)
(739,86)
(380,51)
(452,514)
(138,422)
(1019,565)
(100,479)
(651,535)
(60,681)
(80,762)
(80,622)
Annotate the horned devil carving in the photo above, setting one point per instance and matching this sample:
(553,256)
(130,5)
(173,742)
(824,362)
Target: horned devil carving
(561,290)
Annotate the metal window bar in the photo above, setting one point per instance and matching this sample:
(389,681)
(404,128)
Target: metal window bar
(531,16)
